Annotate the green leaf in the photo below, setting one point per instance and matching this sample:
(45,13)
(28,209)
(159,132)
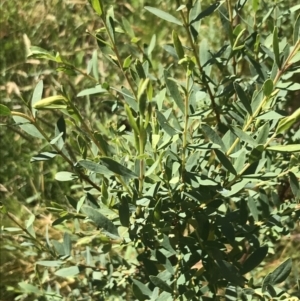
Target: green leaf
(263,134)
(160,284)
(230,273)
(227,230)
(177,45)
(205,58)
(67,272)
(95,167)
(240,161)
(243,97)
(225,161)
(45,156)
(29,288)
(124,213)
(50,263)
(52,102)
(67,244)
(117,168)
(174,91)
(163,15)
(141,291)
(294,183)
(289,148)
(208,11)
(278,275)
(194,12)
(256,153)
(151,45)
(96,90)
(287,122)
(130,100)
(235,188)
(165,125)
(101,221)
(276,47)
(271,115)
(4,110)
(61,128)
(213,136)
(97,6)
(41,53)
(65,176)
(254,259)
(296,34)
(243,136)
(27,127)
(127,27)
(110,23)
(131,119)
(253,208)
(37,95)
(59,247)
(268,87)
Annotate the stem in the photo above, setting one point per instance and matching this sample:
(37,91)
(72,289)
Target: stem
(205,83)
(185,131)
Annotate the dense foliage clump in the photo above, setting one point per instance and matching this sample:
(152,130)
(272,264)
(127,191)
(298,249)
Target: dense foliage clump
(166,157)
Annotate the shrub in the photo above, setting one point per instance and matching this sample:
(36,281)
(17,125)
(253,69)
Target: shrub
(176,158)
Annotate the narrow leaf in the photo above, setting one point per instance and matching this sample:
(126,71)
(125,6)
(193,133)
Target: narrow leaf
(50,263)
(177,45)
(143,290)
(287,122)
(52,102)
(276,47)
(41,53)
(296,34)
(27,127)
(294,183)
(165,125)
(243,97)
(213,136)
(101,221)
(174,91)
(206,12)
(243,136)
(230,273)
(96,90)
(95,167)
(278,275)
(225,161)
(254,259)
(253,208)
(97,6)
(4,110)
(268,87)
(43,156)
(65,176)
(37,95)
(124,213)
(67,272)
(160,284)
(290,148)
(117,168)
(163,15)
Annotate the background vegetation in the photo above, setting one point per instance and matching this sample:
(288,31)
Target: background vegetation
(31,197)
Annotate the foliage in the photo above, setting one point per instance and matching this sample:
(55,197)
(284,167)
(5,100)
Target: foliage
(175,157)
